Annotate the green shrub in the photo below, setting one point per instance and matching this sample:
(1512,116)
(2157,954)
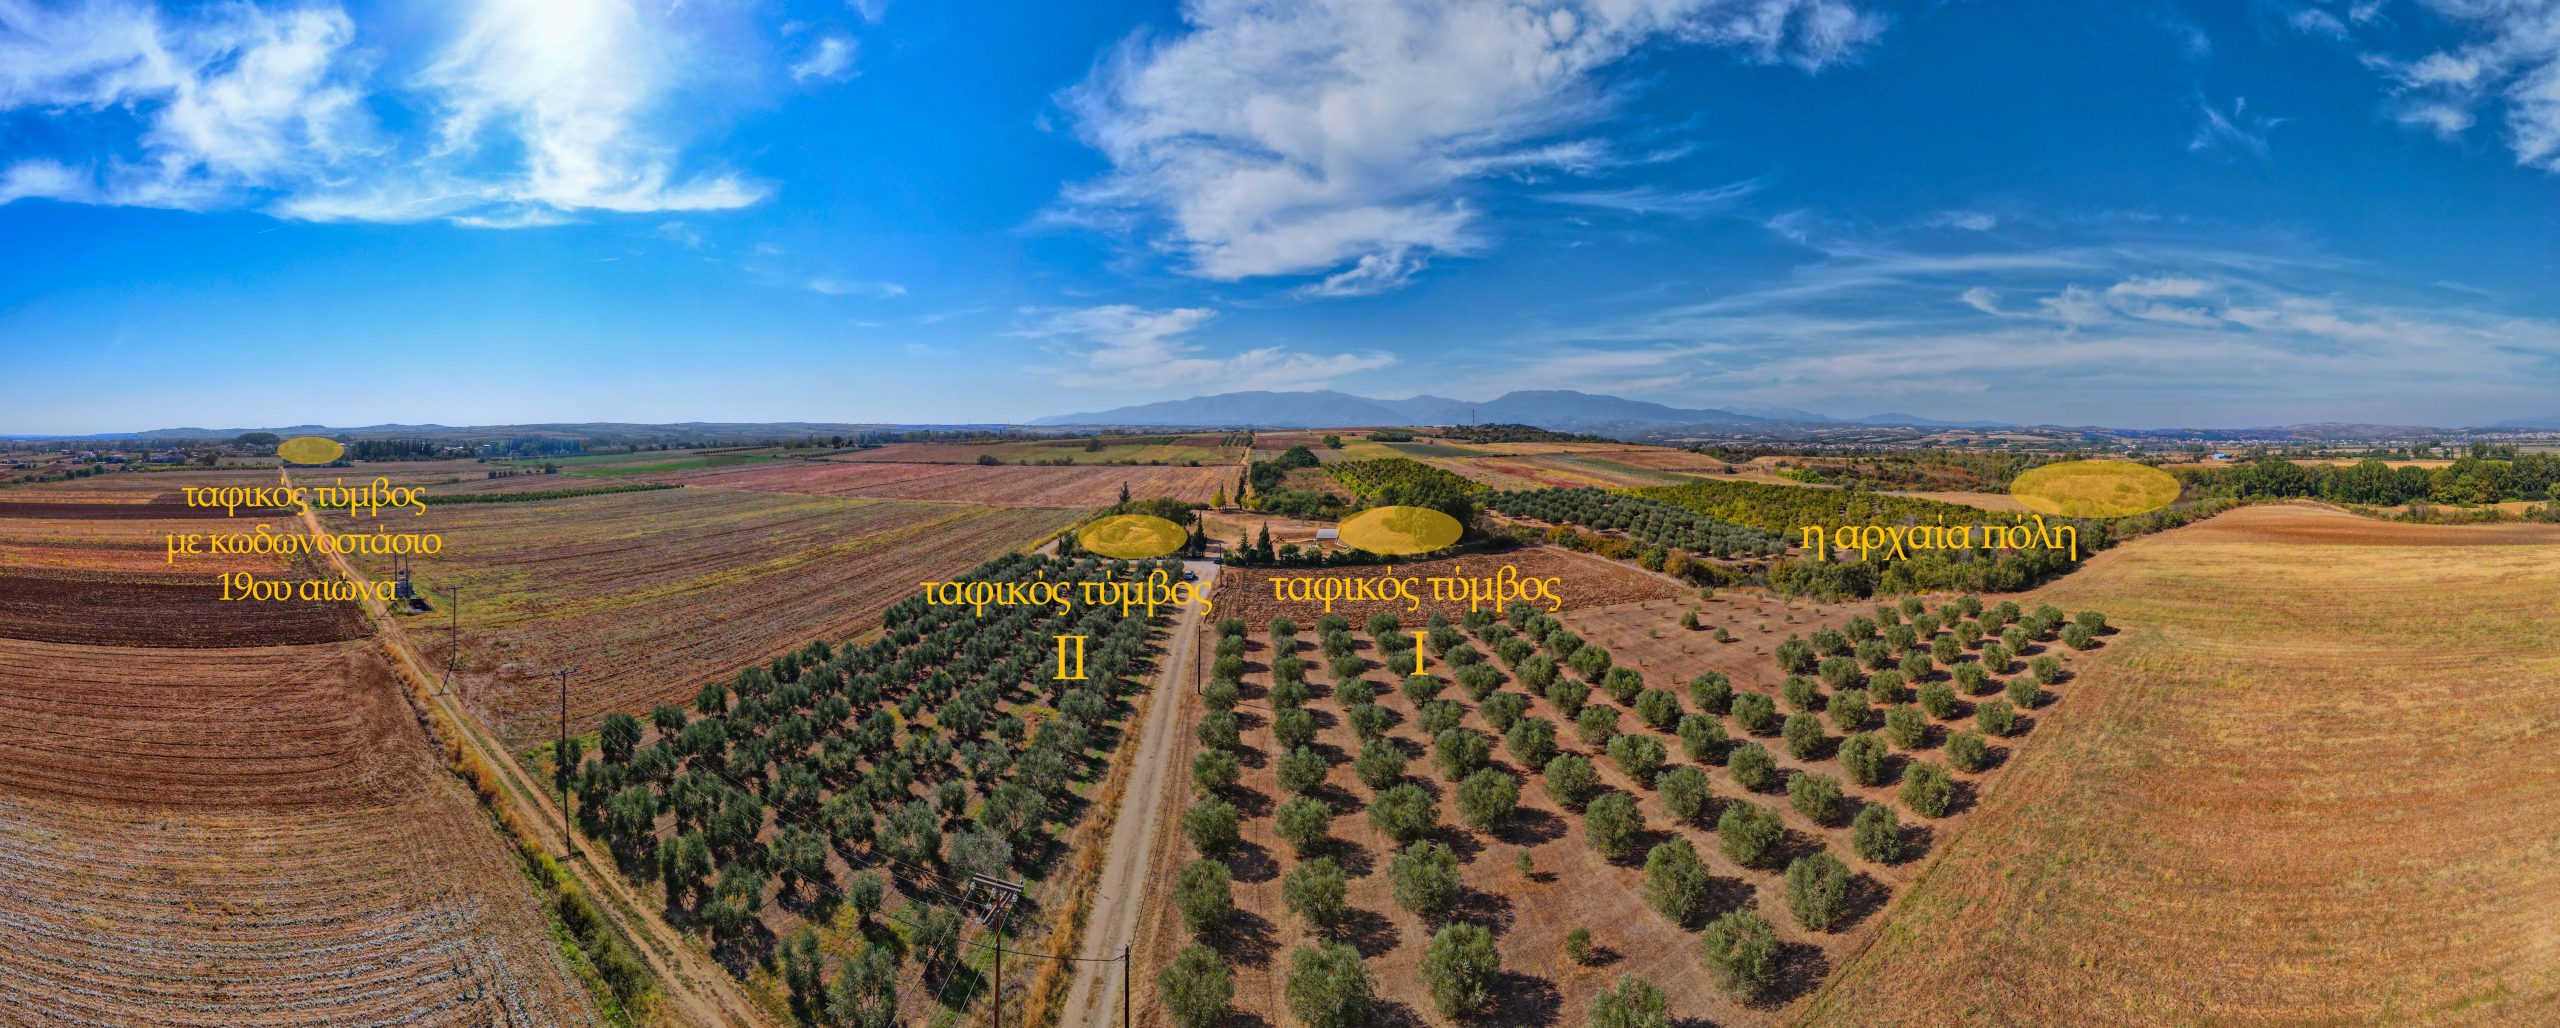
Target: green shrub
(1684,793)
(1862,757)
(1754,712)
(1422,689)
(1876,834)
(1221,695)
(1459,967)
(1637,756)
(1817,797)
(1801,694)
(1712,692)
(1305,823)
(1502,710)
(1214,770)
(1293,728)
(1329,987)
(1458,753)
(1971,678)
(1675,883)
(1884,687)
(1577,945)
(1994,716)
(1927,789)
(1354,691)
(1994,658)
(1749,835)
(1658,708)
(1848,709)
(1596,725)
(1211,825)
(1938,700)
(1439,716)
(1478,680)
(1568,695)
(2023,693)
(1202,894)
(1906,726)
(1742,955)
(1289,694)
(1966,751)
(1752,767)
(1842,673)
(1197,988)
(1487,798)
(1795,656)
(2047,668)
(1611,824)
(1301,770)
(1818,890)
(1426,880)
(1804,736)
(2079,637)
(1370,722)
(1622,684)
(1217,730)
(2095,622)
(1402,813)
(1571,779)
(1532,742)
(1632,1003)
(1314,890)
(1702,738)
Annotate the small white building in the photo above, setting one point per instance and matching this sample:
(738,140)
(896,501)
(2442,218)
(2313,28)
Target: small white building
(1323,534)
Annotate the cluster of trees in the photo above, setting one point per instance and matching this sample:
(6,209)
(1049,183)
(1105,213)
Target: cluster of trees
(1403,481)
(1501,432)
(2468,480)
(905,757)
(1666,527)
(1258,487)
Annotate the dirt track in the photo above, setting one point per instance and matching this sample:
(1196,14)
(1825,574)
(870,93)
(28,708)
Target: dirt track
(1096,999)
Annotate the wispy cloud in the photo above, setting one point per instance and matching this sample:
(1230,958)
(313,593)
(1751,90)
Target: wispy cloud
(1685,203)
(855,287)
(1119,346)
(830,58)
(2238,128)
(1332,138)
(534,113)
(2510,59)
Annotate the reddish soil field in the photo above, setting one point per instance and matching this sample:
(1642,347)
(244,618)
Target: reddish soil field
(1573,886)
(102,610)
(162,510)
(249,837)
(999,485)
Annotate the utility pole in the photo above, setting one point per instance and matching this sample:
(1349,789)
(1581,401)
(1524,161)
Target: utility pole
(1001,919)
(453,646)
(1124,985)
(560,763)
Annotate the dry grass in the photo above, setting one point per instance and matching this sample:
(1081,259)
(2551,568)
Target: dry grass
(2313,785)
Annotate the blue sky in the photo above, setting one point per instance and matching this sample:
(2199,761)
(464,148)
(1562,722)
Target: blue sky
(2136,213)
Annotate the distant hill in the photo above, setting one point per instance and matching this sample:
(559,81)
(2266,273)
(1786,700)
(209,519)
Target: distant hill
(1557,409)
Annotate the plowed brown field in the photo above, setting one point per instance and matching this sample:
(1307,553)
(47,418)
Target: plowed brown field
(2314,786)
(999,485)
(109,611)
(248,837)
(650,594)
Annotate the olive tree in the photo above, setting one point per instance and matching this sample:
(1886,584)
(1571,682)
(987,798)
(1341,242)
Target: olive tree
(1426,879)
(1631,1003)
(1815,796)
(1305,823)
(1684,793)
(1197,988)
(1403,813)
(1459,968)
(1487,798)
(1328,987)
(1749,835)
(1675,883)
(1315,891)
(1751,766)
(1927,789)
(1204,896)
(1612,824)
(1571,779)
(1876,834)
(1818,890)
(1742,954)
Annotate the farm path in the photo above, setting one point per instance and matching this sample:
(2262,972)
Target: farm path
(1096,1000)
(696,988)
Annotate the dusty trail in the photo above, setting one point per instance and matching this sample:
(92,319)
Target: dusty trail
(694,988)
(1096,1000)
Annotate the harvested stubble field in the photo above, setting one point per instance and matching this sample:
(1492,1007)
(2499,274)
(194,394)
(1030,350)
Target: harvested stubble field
(650,594)
(998,485)
(1206,448)
(1563,470)
(2314,786)
(249,837)
(103,536)
(115,610)
(1573,885)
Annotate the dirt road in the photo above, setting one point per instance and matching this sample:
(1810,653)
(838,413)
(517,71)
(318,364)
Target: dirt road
(1096,1001)
(693,988)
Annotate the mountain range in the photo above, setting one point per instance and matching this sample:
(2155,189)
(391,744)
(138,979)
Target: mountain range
(1555,409)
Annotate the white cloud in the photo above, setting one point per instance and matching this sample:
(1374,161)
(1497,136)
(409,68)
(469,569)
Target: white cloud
(830,59)
(2316,22)
(1296,139)
(679,233)
(2238,128)
(1686,203)
(1120,346)
(855,287)
(2512,57)
(535,111)
(1970,221)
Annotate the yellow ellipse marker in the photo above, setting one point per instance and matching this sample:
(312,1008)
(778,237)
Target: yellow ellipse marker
(2095,489)
(310,449)
(1132,536)
(1393,531)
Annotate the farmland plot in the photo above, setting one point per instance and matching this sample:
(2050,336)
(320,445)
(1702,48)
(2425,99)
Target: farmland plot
(628,587)
(1535,875)
(249,837)
(2314,787)
(1001,485)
